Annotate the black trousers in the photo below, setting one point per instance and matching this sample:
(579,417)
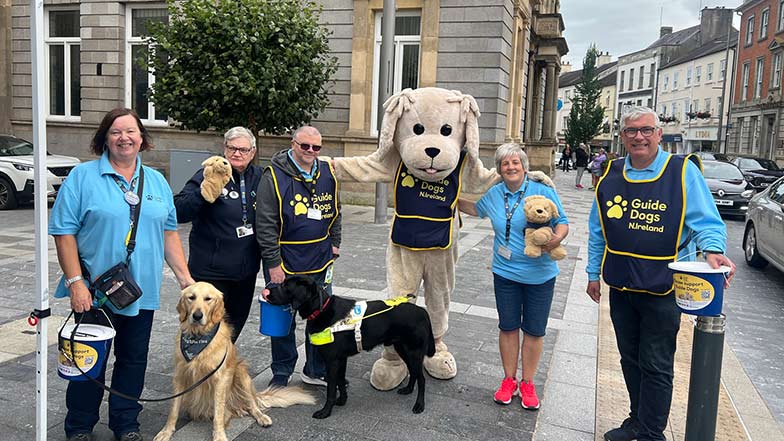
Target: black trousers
(237,300)
(646,329)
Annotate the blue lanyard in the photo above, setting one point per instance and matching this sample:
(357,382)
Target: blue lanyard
(510,213)
(244,201)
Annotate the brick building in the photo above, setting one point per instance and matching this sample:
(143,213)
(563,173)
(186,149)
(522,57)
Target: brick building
(757,96)
(506,53)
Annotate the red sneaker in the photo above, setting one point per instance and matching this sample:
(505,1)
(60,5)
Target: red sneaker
(507,390)
(528,393)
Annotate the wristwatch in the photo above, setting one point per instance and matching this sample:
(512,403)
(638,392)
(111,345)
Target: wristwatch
(72,280)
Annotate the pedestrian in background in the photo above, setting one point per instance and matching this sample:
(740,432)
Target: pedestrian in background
(597,167)
(90,224)
(580,162)
(633,262)
(566,156)
(222,242)
(521,283)
(298,227)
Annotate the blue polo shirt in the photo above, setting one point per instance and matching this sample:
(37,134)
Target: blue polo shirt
(520,268)
(90,206)
(702,220)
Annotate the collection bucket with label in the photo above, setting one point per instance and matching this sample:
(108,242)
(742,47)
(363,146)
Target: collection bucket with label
(90,351)
(699,289)
(275,319)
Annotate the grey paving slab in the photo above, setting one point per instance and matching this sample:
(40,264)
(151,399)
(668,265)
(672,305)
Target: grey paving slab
(567,407)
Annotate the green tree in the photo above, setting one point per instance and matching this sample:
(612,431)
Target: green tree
(263,64)
(585,118)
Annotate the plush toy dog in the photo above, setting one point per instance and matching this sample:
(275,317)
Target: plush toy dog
(217,172)
(429,148)
(538,212)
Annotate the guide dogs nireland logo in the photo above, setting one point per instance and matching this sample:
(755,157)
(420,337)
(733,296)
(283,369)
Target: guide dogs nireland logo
(617,207)
(649,213)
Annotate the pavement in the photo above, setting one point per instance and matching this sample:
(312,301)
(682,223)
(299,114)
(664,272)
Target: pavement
(579,379)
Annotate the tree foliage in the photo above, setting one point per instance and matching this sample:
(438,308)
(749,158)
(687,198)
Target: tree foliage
(263,64)
(585,118)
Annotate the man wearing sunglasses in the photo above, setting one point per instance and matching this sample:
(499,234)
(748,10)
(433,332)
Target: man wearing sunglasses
(651,208)
(298,228)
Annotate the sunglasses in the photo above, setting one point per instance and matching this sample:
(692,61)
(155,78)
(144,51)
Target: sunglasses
(315,147)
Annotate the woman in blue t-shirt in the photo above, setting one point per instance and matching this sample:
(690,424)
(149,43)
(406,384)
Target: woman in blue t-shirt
(521,283)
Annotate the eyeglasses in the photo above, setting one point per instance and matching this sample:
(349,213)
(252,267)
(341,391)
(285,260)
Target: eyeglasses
(315,147)
(631,132)
(242,150)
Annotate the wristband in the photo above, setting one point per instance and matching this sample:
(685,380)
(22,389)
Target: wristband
(712,252)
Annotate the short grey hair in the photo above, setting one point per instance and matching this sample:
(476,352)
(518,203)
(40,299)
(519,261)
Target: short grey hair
(239,132)
(637,112)
(310,130)
(510,149)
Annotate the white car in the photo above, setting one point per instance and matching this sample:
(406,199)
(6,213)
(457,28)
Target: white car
(16,171)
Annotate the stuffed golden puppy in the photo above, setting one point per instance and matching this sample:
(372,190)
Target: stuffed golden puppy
(217,172)
(538,212)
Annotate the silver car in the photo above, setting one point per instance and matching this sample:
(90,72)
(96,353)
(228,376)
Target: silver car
(763,240)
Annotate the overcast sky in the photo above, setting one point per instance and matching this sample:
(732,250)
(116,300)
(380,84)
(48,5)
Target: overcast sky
(625,26)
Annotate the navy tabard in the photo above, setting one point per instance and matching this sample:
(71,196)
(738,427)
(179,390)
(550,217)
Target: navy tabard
(642,223)
(424,211)
(305,245)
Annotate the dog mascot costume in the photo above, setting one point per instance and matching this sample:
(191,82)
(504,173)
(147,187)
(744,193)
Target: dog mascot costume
(429,148)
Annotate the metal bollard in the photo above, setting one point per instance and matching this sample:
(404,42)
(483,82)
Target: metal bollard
(706,356)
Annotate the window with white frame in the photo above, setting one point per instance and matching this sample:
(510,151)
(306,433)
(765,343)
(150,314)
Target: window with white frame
(707,104)
(631,79)
(407,55)
(764,24)
(664,109)
(697,74)
(719,105)
(138,78)
(675,81)
(750,30)
(739,146)
(686,109)
(780,26)
(666,83)
(63,63)
(753,133)
(745,82)
(758,77)
(709,72)
(651,73)
(688,76)
(642,75)
(775,71)
(695,106)
(620,88)
(649,103)
(722,69)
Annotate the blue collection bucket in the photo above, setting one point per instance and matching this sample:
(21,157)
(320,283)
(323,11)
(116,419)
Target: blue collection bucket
(90,351)
(699,289)
(275,319)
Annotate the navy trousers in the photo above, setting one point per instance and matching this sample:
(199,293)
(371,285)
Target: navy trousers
(83,398)
(646,330)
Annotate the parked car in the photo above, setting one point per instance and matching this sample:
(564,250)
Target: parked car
(763,240)
(16,171)
(730,190)
(761,172)
(712,156)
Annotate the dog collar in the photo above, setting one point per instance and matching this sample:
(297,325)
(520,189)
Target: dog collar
(191,345)
(318,311)
(530,224)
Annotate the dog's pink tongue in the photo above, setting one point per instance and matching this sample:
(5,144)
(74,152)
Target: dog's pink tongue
(431,171)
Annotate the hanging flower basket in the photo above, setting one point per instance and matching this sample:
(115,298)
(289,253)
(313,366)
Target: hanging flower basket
(703,115)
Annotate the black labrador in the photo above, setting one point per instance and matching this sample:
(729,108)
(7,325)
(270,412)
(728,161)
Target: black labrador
(405,326)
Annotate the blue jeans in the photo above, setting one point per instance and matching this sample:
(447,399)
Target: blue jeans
(284,349)
(523,306)
(646,329)
(83,398)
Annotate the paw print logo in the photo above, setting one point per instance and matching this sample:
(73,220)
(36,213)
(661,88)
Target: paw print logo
(300,204)
(616,207)
(408,180)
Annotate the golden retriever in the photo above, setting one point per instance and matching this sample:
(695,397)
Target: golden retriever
(229,392)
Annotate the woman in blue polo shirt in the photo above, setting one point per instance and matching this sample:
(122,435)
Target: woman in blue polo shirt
(520,282)
(90,222)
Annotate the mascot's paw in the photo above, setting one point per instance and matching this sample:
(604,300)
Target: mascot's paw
(217,172)
(540,176)
(558,253)
(388,374)
(442,365)
(533,251)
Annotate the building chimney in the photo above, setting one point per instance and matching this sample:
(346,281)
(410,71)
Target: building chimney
(566,67)
(665,30)
(714,23)
(604,58)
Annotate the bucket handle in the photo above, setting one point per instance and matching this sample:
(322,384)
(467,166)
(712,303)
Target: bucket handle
(694,253)
(73,332)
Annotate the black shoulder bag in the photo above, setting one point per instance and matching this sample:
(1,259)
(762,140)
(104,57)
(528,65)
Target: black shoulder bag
(117,283)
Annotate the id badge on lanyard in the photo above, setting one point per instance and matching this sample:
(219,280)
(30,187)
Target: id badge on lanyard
(246,229)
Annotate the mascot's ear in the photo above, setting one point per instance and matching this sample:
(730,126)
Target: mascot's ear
(553,208)
(469,114)
(394,108)
(540,176)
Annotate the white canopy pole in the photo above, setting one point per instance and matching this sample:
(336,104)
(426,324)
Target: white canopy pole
(41,211)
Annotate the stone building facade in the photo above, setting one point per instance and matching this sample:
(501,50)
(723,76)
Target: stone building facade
(506,53)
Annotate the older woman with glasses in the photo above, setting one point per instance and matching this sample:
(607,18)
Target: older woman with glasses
(523,285)
(223,247)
